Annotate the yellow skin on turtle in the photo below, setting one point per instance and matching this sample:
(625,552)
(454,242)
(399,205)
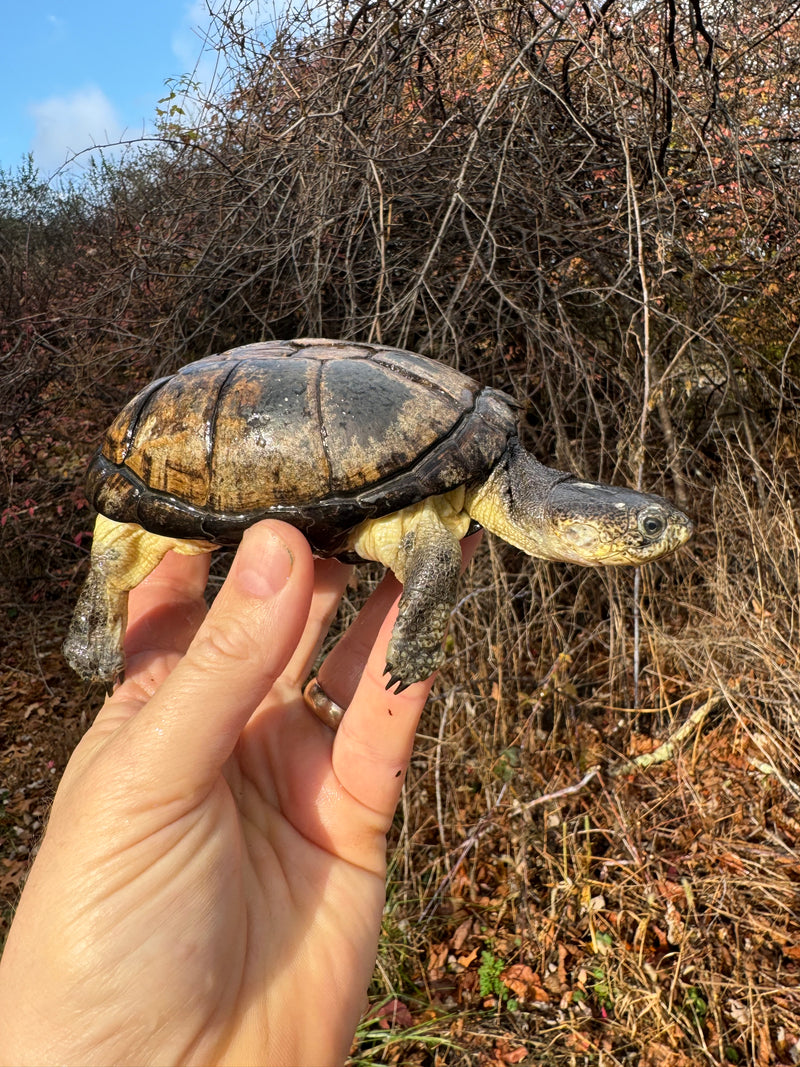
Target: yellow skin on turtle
(420,544)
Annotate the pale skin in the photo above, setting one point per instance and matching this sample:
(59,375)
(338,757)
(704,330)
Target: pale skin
(210,885)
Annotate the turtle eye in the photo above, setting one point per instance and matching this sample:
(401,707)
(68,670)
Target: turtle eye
(652,525)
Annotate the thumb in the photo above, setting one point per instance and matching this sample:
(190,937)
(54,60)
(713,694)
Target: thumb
(194,720)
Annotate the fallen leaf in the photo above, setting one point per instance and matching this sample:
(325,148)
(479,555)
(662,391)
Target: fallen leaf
(437,957)
(393,1014)
(731,862)
(524,983)
(562,970)
(460,935)
(519,978)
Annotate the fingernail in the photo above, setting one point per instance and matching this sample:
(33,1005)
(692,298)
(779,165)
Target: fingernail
(263,564)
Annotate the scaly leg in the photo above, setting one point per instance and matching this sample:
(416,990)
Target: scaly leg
(122,556)
(428,564)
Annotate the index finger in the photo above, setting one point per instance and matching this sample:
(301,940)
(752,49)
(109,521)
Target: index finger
(373,744)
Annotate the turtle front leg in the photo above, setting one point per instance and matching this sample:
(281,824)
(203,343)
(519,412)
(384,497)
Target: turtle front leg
(428,563)
(122,556)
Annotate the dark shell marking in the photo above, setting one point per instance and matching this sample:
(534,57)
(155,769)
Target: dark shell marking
(323,434)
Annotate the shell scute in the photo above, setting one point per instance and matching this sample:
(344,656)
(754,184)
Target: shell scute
(374,422)
(266,443)
(167,437)
(437,377)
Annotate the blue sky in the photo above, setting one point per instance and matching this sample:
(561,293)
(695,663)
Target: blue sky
(78,72)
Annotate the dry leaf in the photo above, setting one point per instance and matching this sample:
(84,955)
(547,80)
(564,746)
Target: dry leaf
(438,956)
(460,935)
(393,1014)
(524,983)
(519,978)
(465,961)
(562,970)
(514,1055)
(731,862)
(675,927)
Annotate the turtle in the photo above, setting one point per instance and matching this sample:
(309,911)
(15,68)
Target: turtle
(373,452)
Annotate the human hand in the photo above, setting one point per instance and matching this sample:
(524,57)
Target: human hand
(210,885)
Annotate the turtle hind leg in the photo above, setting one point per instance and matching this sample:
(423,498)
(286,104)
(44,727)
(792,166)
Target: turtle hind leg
(93,646)
(122,556)
(430,564)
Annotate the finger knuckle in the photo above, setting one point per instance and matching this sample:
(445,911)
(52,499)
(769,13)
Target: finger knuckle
(224,642)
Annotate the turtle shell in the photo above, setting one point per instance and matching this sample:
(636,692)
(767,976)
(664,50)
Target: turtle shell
(322,434)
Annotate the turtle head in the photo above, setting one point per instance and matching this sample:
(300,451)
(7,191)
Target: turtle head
(606,526)
(552,515)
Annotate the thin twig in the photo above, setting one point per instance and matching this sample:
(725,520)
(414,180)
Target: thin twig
(667,750)
(567,791)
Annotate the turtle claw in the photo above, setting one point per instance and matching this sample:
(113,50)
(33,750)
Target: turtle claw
(395,680)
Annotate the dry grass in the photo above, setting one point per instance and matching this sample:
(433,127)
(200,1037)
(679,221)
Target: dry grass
(649,917)
(653,915)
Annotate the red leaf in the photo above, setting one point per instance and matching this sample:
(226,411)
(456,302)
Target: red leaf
(393,1013)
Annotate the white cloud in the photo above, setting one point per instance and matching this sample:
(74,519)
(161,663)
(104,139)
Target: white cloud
(66,125)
